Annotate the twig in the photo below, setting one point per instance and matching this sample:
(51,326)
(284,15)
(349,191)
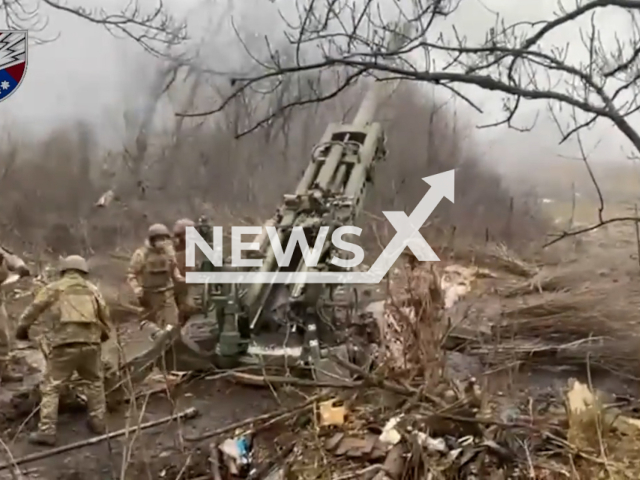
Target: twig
(264,380)
(188,413)
(361,473)
(401,390)
(637,232)
(277,415)
(128,449)
(271,463)
(214,462)
(184,467)
(15,472)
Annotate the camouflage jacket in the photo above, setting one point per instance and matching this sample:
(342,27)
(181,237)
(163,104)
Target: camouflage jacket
(181,260)
(153,269)
(78,311)
(181,287)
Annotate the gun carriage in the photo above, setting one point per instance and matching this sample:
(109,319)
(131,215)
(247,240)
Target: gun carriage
(264,324)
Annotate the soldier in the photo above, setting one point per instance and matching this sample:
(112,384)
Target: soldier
(153,272)
(8,264)
(79,323)
(183,295)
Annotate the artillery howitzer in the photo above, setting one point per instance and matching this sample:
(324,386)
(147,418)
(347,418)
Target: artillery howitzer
(234,325)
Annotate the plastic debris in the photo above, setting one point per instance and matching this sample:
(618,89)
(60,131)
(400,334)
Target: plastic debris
(389,433)
(332,414)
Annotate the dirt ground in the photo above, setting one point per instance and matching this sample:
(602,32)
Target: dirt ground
(163,451)
(218,403)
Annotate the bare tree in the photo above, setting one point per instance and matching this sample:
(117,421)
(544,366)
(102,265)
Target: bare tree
(156,30)
(591,79)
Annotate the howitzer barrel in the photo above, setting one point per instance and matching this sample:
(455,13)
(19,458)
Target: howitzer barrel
(340,167)
(379,89)
(330,194)
(369,105)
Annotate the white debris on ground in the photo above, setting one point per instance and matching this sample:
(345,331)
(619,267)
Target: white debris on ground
(456,282)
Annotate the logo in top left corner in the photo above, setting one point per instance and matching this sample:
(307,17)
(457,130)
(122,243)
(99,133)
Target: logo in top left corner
(13,60)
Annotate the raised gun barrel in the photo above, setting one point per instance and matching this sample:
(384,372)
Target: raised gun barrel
(330,194)
(333,187)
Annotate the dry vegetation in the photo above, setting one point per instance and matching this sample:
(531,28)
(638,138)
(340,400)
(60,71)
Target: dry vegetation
(546,316)
(50,186)
(515,317)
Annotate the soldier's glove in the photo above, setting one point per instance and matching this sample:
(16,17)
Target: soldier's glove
(22,332)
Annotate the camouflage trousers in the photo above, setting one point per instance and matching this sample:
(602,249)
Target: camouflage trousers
(62,362)
(185,302)
(160,308)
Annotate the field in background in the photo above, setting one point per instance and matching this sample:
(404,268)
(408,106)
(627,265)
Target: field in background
(564,186)
(245,179)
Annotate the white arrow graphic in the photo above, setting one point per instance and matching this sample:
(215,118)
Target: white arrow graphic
(408,228)
(407,235)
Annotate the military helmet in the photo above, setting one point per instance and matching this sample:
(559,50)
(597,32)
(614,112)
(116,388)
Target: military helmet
(158,230)
(180,227)
(74,262)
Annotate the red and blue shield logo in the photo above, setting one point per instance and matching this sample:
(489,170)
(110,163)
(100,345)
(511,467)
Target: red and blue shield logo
(13,60)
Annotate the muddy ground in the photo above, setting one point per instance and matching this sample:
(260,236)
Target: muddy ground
(156,450)
(162,448)
(163,451)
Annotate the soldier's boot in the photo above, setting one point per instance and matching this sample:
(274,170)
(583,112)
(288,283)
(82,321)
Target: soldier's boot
(97,426)
(43,438)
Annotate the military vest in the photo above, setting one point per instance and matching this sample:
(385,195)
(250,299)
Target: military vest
(74,316)
(156,270)
(77,303)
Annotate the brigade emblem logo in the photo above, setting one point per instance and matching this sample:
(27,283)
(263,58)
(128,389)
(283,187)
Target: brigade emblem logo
(13,60)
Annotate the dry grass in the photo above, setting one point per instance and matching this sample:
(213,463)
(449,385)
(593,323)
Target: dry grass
(568,318)
(414,326)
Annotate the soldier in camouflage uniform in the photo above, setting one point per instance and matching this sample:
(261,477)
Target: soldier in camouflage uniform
(153,272)
(183,294)
(8,264)
(79,323)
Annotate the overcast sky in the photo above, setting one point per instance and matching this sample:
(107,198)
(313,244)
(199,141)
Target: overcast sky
(87,74)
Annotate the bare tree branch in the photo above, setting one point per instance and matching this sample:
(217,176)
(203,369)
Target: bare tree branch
(595,77)
(157,31)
